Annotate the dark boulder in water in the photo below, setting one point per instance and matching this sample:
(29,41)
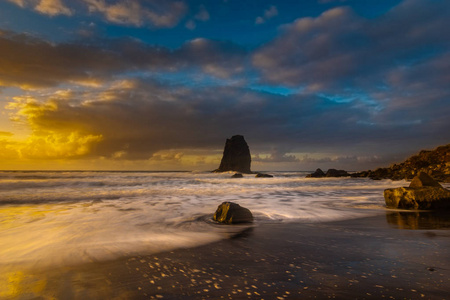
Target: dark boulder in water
(317,174)
(236,156)
(330,173)
(263,175)
(423,193)
(336,173)
(232,213)
(237,175)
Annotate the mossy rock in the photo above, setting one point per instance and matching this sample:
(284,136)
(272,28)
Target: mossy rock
(232,213)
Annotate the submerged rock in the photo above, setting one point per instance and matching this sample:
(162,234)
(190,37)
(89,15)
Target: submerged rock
(423,193)
(237,175)
(236,156)
(232,213)
(263,175)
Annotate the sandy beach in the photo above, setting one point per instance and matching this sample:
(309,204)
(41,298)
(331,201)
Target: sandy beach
(395,256)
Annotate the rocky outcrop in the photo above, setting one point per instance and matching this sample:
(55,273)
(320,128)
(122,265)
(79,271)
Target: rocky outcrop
(317,174)
(336,173)
(330,173)
(423,193)
(236,156)
(263,175)
(435,163)
(232,213)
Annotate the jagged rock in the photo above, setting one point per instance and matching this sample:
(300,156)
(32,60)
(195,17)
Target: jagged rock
(423,179)
(336,173)
(317,174)
(423,193)
(237,175)
(232,213)
(236,156)
(263,175)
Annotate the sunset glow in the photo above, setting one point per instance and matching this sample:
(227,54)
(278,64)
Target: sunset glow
(160,85)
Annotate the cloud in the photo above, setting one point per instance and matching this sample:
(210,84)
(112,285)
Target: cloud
(156,13)
(269,13)
(397,63)
(46,7)
(134,119)
(5,133)
(31,63)
(339,48)
(203,14)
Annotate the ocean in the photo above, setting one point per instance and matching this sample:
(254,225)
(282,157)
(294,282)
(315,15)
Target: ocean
(50,218)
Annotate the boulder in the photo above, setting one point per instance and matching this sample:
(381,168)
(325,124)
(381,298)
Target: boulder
(237,175)
(428,197)
(232,213)
(336,173)
(236,156)
(263,175)
(423,193)
(317,174)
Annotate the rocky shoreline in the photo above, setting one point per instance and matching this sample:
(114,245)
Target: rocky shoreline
(435,163)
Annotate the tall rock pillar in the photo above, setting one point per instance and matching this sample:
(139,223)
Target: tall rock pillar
(236,156)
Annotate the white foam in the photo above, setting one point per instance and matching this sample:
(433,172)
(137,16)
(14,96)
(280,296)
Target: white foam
(69,217)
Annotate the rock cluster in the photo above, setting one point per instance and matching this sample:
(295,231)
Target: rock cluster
(435,163)
(422,193)
(236,156)
(232,213)
(330,173)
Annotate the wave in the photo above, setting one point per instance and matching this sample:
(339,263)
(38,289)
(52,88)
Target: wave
(75,217)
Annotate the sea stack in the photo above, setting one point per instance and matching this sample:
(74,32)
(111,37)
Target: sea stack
(236,156)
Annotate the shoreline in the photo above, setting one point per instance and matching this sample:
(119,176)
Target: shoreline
(362,258)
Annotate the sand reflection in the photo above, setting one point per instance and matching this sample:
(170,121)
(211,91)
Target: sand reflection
(419,219)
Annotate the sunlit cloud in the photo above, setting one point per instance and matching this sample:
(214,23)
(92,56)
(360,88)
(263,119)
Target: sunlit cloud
(156,13)
(46,7)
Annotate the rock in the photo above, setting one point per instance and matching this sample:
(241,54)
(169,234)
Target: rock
(423,193)
(317,174)
(435,163)
(427,197)
(263,175)
(423,179)
(232,213)
(237,175)
(236,156)
(336,173)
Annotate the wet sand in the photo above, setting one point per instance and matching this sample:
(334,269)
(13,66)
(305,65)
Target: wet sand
(393,256)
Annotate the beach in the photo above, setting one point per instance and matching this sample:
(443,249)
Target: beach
(364,258)
(147,235)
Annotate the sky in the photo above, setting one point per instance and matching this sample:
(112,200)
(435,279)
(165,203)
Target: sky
(161,84)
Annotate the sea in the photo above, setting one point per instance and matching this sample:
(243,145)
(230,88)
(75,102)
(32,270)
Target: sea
(50,218)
